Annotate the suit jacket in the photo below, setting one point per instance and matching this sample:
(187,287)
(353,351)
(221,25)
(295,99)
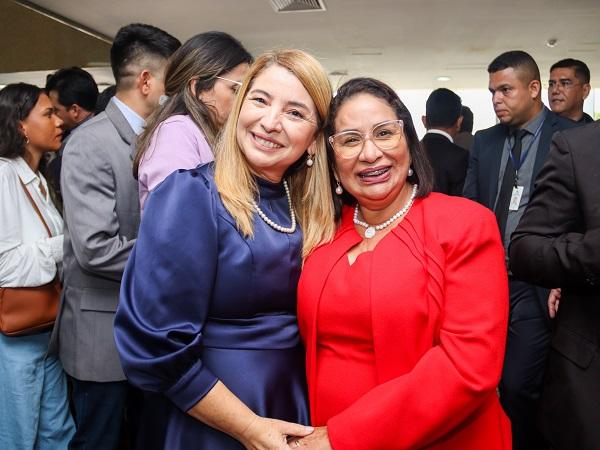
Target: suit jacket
(557,244)
(438,341)
(464,139)
(481,183)
(101,221)
(449,163)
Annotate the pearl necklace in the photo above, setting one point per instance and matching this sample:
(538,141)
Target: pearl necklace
(371,229)
(274,225)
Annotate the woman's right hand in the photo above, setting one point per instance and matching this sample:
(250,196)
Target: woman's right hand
(272,434)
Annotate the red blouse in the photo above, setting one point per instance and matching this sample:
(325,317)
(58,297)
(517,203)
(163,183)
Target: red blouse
(438,310)
(345,339)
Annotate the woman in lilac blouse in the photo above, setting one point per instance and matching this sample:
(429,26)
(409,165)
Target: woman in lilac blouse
(201,81)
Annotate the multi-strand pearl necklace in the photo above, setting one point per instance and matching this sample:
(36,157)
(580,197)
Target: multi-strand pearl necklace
(274,225)
(371,229)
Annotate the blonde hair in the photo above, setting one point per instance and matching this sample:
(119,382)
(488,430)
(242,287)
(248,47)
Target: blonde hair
(310,187)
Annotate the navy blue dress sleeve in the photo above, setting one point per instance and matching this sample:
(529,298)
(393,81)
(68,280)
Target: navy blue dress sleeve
(166,291)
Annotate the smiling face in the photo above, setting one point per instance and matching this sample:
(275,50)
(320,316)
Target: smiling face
(566,93)
(515,101)
(221,96)
(42,127)
(375,177)
(276,123)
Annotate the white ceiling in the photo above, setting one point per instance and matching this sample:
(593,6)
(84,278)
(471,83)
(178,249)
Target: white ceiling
(407,43)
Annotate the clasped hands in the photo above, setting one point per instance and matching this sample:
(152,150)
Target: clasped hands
(272,434)
(317,440)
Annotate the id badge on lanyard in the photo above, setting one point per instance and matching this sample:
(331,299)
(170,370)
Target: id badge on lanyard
(515,198)
(517,191)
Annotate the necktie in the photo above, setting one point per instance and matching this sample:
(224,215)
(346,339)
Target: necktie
(508,182)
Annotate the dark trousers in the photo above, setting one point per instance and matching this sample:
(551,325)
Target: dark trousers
(527,347)
(98,410)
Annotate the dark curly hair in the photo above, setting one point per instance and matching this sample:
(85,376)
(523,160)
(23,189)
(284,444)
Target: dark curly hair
(16,102)
(423,173)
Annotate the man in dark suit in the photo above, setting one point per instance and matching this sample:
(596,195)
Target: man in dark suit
(101,207)
(557,243)
(443,119)
(73,93)
(503,164)
(568,87)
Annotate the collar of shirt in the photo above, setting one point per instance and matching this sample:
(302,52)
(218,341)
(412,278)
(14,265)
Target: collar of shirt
(443,133)
(533,125)
(28,176)
(135,121)
(23,170)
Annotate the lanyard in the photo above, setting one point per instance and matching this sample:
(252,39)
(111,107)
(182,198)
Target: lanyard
(524,154)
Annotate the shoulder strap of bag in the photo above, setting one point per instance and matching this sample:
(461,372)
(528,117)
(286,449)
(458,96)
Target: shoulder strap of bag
(37,210)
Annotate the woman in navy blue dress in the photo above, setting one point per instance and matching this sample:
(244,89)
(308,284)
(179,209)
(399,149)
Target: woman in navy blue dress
(206,323)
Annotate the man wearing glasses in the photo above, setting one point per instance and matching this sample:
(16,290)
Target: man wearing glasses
(568,87)
(503,165)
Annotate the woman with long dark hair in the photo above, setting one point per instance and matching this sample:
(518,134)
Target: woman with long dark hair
(410,297)
(33,387)
(201,81)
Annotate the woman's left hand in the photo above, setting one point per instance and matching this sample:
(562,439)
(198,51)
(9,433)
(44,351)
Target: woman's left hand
(317,440)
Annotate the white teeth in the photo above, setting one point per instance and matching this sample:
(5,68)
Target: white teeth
(266,143)
(375,173)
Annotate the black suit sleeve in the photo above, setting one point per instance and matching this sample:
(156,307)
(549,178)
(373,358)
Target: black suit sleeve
(457,185)
(471,188)
(553,246)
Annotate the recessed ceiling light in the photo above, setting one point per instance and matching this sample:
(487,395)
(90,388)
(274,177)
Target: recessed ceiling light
(443,78)
(551,42)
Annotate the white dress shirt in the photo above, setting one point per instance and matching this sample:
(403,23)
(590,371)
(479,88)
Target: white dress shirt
(441,132)
(28,256)
(135,121)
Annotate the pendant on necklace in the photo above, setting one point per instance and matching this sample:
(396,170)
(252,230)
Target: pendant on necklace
(370,232)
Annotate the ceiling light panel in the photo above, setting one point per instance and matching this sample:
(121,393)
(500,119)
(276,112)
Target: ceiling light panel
(283,6)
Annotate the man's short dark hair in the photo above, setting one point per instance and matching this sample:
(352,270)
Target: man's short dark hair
(442,108)
(467,122)
(582,71)
(74,86)
(522,62)
(134,44)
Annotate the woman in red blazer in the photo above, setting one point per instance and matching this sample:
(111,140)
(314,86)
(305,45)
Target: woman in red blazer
(404,313)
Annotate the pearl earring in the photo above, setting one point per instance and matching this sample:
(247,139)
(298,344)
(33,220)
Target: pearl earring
(338,189)
(410,172)
(309,160)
